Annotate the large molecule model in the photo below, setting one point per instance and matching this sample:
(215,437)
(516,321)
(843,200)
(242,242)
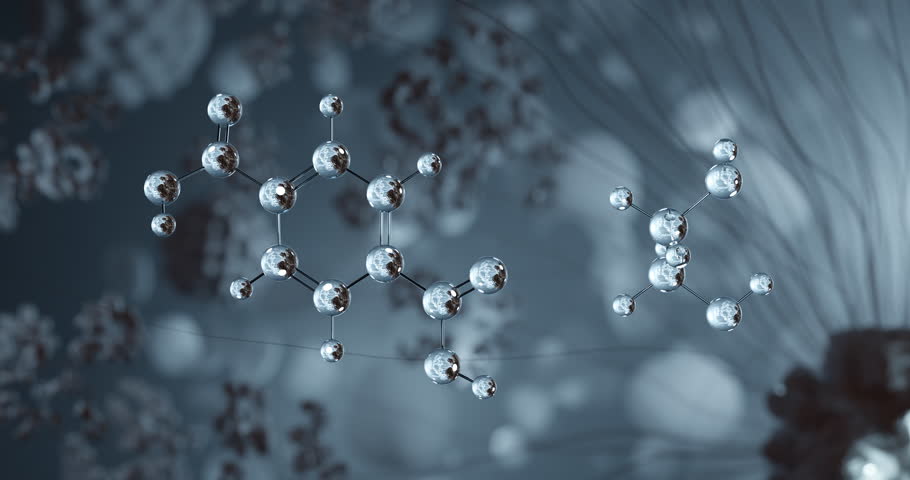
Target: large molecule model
(668,227)
(384,263)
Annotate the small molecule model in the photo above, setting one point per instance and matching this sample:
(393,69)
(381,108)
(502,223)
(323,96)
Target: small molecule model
(384,263)
(668,227)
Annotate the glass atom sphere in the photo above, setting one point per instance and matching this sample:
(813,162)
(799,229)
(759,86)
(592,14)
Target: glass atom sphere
(441,301)
(277,195)
(164,224)
(384,263)
(488,275)
(278,262)
(331,350)
(724,314)
(331,297)
(429,164)
(725,150)
(678,255)
(442,366)
(668,226)
(224,110)
(483,387)
(761,283)
(331,159)
(624,305)
(665,277)
(385,193)
(723,181)
(162,187)
(241,289)
(660,249)
(621,198)
(220,159)
(331,106)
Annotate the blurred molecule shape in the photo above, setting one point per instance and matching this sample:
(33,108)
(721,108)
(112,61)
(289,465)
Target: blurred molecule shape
(171,349)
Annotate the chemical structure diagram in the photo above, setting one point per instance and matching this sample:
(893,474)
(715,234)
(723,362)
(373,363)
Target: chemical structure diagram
(668,227)
(384,263)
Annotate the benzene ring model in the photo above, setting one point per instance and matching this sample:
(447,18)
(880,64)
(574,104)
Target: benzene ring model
(668,227)
(384,263)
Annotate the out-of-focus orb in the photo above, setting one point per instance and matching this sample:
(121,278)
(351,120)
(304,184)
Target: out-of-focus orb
(483,387)
(665,277)
(668,226)
(279,262)
(621,198)
(331,350)
(224,110)
(220,159)
(164,224)
(660,249)
(178,348)
(723,181)
(331,159)
(429,164)
(162,187)
(441,301)
(678,255)
(277,195)
(509,446)
(385,193)
(241,288)
(725,150)
(331,297)
(488,275)
(384,263)
(761,283)
(442,366)
(331,106)
(624,305)
(724,314)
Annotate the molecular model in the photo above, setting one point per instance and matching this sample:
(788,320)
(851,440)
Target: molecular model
(384,262)
(668,227)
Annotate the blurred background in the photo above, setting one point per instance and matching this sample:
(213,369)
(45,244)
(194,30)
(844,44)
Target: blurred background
(122,355)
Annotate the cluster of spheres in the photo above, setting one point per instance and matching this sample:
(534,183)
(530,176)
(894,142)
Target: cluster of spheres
(384,263)
(668,228)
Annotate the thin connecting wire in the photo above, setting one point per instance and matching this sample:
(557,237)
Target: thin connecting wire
(278,227)
(257,182)
(257,277)
(302,283)
(352,172)
(190,174)
(465,377)
(307,276)
(332,327)
(296,177)
(355,282)
(413,282)
(306,181)
(409,177)
(442,334)
(218,135)
(636,207)
(227,134)
(642,292)
(467,292)
(462,284)
(163,208)
(332,129)
(695,294)
(744,297)
(696,203)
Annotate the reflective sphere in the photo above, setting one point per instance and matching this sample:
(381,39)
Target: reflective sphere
(161,187)
(665,277)
(277,195)
(241,289)
(442,366)
(164,224)
(761,283)
(678,255)
(488,275)
(483,387)
(668,226)
(660,249)
(624,305)
(331,297)
(621,198)
(279,262)
(723,181)
(725,150)
(331,106)
(724,314)
(441,301)
(224,110)
(384,263)
(385,193)
(220,159)
(331,350)
(429,164)
(331,159)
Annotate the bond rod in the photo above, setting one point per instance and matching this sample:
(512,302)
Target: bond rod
(307,276)
(304,284)
(696,203)
(365,275)
(190,174)
(257,182)
(278,224)
(332,328)
(747,295)
(359,177)
(306,180)
(641,292)
(465,377)
(462,284)
(381,226)
(636,207)
(409,177)
(388,228)
(218,136)
(163,208)
(227,134)
(331,129)
(257,277)
(442,333)
(414,282)
(295,177)
(467,292)
(696,295)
